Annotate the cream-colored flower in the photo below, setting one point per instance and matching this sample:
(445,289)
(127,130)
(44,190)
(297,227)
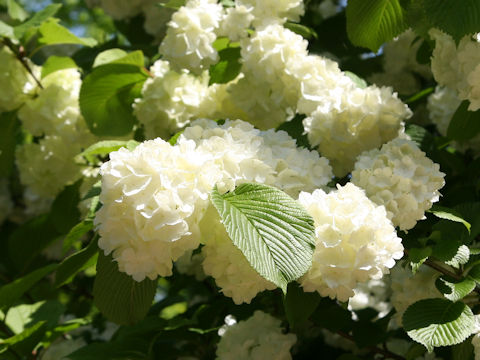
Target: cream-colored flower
(273,11)
(236,22)
(400,177)
(153,199)
(190,36)
(16,84)
(170,100)
(355,241)
(259,337)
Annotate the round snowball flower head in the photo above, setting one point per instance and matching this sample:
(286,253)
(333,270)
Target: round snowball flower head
(190,35)
(236,22)
(170,100)
(55,111)
(48,166)
(355,241)
(400,177)
(259,337)
(16,84)
(153,199)
(359,120)
(273,11)
(441,106)
(224,262)
(408,288)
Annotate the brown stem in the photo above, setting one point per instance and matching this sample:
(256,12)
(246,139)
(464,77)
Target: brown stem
(21,57)
(386,354)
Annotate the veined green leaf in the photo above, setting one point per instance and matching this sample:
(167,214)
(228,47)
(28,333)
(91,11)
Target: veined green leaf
(464,124)
(438,322)
(273,231)
(453,289)
(52,33)
(55,63)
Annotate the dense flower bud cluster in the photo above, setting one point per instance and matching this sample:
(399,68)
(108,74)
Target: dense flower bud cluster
(458,67)
(408,288)
(355,241)
(170,100)
(401,69)
(190,35)
(400,177)
(16,84)
(259,337)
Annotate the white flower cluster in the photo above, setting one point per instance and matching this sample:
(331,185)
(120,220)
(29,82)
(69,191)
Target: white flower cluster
(190,35)
(441,106)
(372,294)
(6,204)
(400,67)
(458,67)
(170,100)
(47,166)
(355,241)
(16,84)
(155,196)
(408,288)
(259,337)
(402,178)
(191,264)
(273,11)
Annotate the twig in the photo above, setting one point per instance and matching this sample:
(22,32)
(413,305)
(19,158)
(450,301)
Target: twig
(21,57)
(386,354)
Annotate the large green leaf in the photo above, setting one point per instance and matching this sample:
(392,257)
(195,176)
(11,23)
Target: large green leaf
(120,298)
(107,95)
(438,322)
(370,23)
(13,291)
(9,126)
(449,214)
(24,342)
(272,230)
(15,11)
(105,147)
(52,33)
(75,234)
(76,263)
(64,213)
(108,56)
(464,124)
(23,316)
(457,18)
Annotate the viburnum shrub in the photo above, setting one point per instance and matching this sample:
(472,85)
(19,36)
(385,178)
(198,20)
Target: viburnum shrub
(239,179)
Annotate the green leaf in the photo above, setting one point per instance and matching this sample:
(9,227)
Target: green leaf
(6,30)
(52,33)
(55,63)
(299,305)
(105,147)
(449,214)
(302,30)
(27,340)
(460,258)
(106,98)
(453,289)
(64,213)
(23,316)
(133,58)
(108,56)
(13,291)
(420,136)
(9,127)
(438,322)
(75,263)
(15,11)
(173,4)
(474,273)
(75,234)
(273,231)
(361,83)
(457,18)
(120,298)
(463,351)
(374,22)
(464,124)
(36,20)
(228,66)
(95,190)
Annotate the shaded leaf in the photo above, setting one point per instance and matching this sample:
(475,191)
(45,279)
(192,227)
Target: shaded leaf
(464,124)
(105,147)
(299,305)
(455,290)
(55,63)
(37,19)
(449,214)
(52,33)
(9,127)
